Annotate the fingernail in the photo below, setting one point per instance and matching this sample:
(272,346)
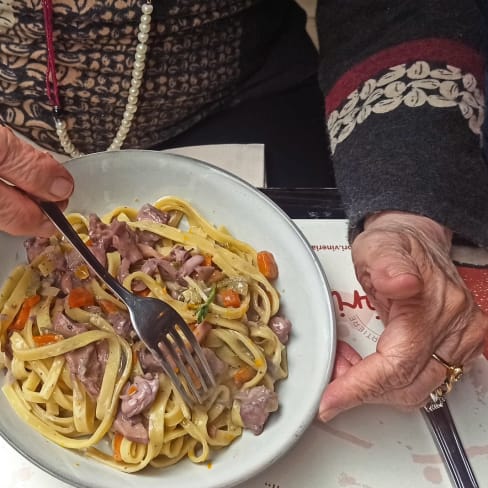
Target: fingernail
(61,188)
(328,414)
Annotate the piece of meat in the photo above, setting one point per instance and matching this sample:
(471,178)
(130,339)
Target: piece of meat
(131,428)
(189,265)
(281,327)
(87,363)
(217,366)
(121,323)
(153,214)
(66,327)
(35,246)
(256,405)
(139,395)
(149,363)
(124,240)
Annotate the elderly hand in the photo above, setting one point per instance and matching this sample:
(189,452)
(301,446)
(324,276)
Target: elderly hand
(35,172)
(402,262)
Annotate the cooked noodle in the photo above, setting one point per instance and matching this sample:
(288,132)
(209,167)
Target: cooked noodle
(76,375)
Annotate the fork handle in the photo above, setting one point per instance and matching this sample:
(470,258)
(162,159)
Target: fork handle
(62,224)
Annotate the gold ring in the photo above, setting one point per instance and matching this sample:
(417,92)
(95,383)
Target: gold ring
(454,373)
(438,396)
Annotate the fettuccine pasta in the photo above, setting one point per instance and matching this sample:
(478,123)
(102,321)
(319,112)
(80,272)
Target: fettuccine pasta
(78,373)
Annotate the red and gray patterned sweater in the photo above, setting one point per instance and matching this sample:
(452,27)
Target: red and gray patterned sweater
(404,91)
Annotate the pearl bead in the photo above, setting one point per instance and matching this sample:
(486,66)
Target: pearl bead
(137,75)
(142,37)
(61,124)
(136,83)
(133,91)
(128,115)
(144,28)
(141,48)
(147,8)
(145,19)
(140,58)
(131,108)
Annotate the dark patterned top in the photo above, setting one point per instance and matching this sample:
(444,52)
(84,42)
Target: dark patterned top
(405,106)
(200,56)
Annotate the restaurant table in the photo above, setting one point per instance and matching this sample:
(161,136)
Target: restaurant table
(370,446)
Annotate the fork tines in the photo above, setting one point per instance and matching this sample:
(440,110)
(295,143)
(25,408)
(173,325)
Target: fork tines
(196,376)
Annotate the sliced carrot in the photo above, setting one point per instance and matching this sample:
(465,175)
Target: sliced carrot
(44,340)
(24,312)
(116,444)
(229,298)
(107,306)
(267,265)
(89,242)
(207,261)
(80,297)
(243,374)
(132,390)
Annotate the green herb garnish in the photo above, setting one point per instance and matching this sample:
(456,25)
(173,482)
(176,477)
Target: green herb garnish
(203,310)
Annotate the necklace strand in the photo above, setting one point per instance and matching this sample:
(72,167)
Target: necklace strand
(52,89)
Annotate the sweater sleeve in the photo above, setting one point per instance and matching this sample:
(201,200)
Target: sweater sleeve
(403,84)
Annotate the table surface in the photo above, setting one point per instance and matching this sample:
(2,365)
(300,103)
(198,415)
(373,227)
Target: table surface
(368,447)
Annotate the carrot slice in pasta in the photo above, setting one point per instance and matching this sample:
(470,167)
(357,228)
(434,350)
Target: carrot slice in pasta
(80,297)
(24,312)
(267,265)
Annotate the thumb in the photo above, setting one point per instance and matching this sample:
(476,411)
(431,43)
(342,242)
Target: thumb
(32,170)
(35,172)
(394,277)
(384,265)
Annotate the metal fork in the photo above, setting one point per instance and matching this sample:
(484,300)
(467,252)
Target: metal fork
(159,326)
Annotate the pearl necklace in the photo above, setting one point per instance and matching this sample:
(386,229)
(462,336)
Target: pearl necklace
(135,85)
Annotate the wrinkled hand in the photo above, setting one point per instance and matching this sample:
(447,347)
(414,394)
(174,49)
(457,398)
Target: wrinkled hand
(35,172)
(402,262)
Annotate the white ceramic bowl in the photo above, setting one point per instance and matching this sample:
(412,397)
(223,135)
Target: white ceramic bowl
(106,180)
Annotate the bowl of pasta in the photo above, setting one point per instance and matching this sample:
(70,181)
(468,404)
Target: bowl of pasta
(84,399)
